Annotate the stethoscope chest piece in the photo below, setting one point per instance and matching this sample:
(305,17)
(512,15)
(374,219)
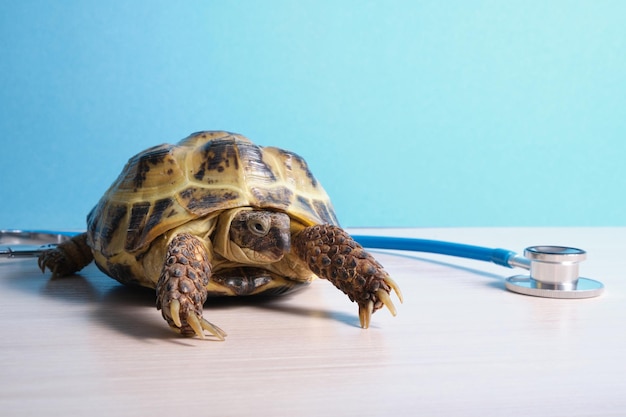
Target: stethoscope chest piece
(554,274)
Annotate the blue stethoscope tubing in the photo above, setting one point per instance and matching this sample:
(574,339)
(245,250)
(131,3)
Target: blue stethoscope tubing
(497,256)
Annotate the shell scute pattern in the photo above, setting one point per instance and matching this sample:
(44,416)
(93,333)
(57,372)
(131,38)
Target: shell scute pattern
(152,169)
(301,191)
(167,186)
(215,156)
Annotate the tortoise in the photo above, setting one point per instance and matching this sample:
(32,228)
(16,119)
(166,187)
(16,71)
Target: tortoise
(217,215)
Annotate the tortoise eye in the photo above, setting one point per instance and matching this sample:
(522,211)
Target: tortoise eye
(259,226)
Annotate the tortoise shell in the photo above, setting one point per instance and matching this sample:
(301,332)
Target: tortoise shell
(166,187)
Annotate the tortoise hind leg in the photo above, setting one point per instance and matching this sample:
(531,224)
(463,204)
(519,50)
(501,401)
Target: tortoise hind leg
(331,253)
(181,289)
(68,257)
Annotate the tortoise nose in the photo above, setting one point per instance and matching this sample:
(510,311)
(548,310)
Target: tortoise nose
(281,244)
(283,241)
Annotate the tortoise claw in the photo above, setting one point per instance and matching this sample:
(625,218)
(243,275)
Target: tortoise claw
(366,309)
(194,323)
(383,296)
(365,313)
(392,284)
(175,312)
(200,324)
(213,329)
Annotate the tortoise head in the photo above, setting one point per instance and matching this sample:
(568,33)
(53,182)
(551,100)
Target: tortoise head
(263,236)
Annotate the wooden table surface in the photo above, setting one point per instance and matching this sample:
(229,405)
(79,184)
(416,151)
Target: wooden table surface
(460,345)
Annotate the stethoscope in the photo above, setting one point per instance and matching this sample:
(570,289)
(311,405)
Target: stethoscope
(553,269)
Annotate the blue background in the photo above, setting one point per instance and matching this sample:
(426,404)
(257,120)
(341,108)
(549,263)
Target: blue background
(411,113)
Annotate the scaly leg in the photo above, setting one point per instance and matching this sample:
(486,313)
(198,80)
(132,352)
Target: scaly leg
(331,253)
(67,258)
(181,290)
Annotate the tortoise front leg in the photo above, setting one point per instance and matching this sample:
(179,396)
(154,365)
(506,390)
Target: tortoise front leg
(181,290)
(67,257)
(331,253)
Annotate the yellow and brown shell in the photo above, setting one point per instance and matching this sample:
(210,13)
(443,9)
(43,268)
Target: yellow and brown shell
(167,186)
